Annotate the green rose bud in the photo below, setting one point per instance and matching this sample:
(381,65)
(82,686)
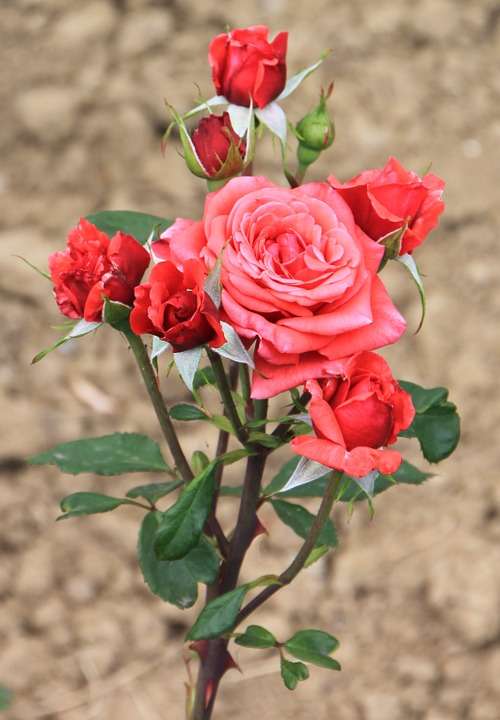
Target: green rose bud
(315,132)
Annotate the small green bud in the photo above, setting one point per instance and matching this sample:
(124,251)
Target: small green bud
(316,131)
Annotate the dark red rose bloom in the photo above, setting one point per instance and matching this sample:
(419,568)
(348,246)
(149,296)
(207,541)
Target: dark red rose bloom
(212,140)
(383,199)
(93,266)
(355,415)
(174,306)
(246,65)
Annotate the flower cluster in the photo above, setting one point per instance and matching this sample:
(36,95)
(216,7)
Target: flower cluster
(299,266)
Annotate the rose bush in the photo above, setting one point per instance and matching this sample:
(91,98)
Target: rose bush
(297,274)
(355,415)
(92,267)
(247,67)
(383,199)
(174,306)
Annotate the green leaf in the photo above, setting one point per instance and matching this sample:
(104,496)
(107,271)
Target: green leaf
(154,491)
(293,672)
(267,441)
(218,616)
(89,503)
(204,376)
(438,431)
(175,581)
(107,455)
(139,225)
(234,455)
(80,328)
(424,398)
(314,646)
(436,424)
(300,520)
(316,555)
(116,314)
(181,525)
(222,423)
(408,474)
(184,411)
(256,636)
(5,698)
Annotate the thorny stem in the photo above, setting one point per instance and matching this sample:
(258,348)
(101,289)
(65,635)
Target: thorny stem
(212,666)
(160,408)
(300,559)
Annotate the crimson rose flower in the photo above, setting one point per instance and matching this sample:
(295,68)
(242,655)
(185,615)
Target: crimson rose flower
(212,140)
(383,199)
(246,66)
(355,416)
(297,274)
(174,306)
(94,266)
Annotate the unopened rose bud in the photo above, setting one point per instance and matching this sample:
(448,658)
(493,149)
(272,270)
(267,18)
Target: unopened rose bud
(316,131)
(214,151)
(220,151)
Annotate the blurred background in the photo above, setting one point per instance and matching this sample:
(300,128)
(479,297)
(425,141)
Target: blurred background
(414,594)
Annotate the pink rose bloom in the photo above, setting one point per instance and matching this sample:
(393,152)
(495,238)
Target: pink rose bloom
(297,274)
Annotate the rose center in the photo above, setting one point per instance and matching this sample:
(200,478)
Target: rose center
(180,307)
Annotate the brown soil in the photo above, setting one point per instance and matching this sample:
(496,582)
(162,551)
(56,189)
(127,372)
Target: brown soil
(414,595)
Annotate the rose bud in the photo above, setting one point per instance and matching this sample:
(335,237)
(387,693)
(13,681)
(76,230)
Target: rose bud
(355,416)
(316,131)
(247,67)
(92,267)
(174,306)
(221,152)
(384,200)
(214,151)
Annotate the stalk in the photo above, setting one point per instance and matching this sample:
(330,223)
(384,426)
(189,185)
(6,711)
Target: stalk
(160,408)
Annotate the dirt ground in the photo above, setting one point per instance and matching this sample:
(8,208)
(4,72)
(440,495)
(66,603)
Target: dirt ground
(414,594)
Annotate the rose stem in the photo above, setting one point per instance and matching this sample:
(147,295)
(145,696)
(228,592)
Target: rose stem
(160,408)
(300,559)
(212,666)
(227,398)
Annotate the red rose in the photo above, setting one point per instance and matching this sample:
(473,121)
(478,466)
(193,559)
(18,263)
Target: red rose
(245,65)
(383,199)
(355,416)
(213,139)
(297,274)
(174,306)
(94,266)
